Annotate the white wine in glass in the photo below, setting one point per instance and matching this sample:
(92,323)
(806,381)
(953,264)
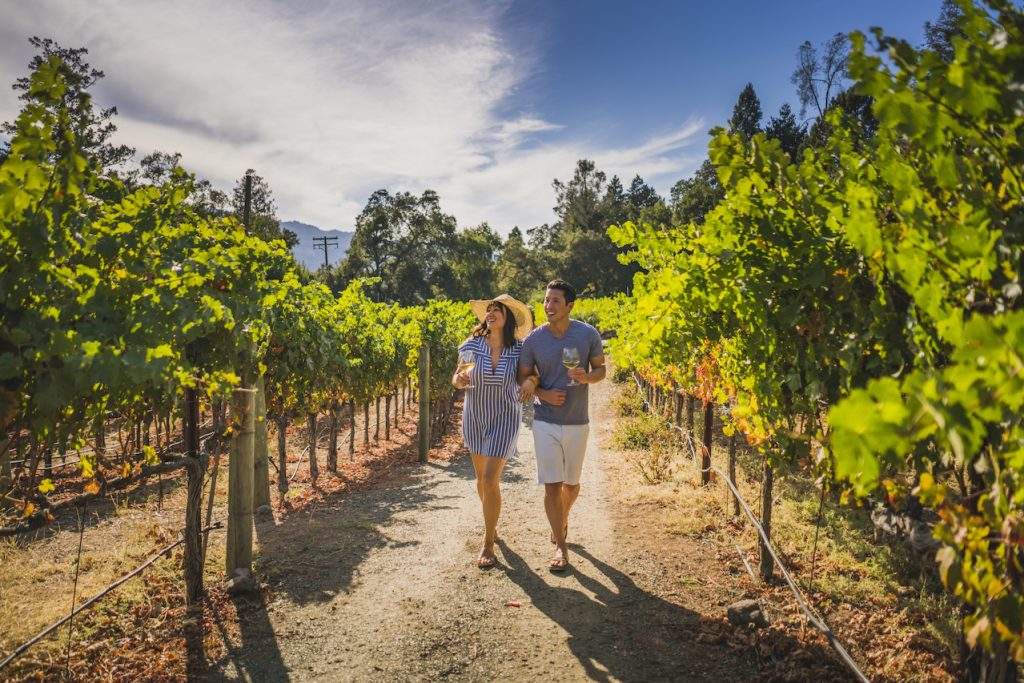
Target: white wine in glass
(467,361)
(571,359)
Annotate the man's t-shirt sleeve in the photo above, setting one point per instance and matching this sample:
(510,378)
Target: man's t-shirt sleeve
(596,349)
(526,355)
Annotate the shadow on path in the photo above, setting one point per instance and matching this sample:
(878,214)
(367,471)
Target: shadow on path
(615,629)
(311,556)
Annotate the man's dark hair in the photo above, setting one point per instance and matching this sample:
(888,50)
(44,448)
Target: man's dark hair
(568,290)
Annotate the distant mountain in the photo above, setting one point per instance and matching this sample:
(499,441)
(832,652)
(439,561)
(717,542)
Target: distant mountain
(306,252)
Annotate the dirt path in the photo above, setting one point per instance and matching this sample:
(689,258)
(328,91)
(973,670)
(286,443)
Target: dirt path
(380,585)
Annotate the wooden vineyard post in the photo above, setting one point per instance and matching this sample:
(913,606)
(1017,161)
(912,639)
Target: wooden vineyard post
(240,481)
(678,419)
(282,457)
(709,436)
(314,466)
(352,428)
(332,445)
(5,468)
(376,428)
(767,566)
(387,416)
(689,417)
(240,465)
(366,424)
(193,560)
(261,456)
(424,402)
(732,473)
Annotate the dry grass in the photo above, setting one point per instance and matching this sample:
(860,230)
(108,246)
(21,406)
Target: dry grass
(887,603)
(139,630)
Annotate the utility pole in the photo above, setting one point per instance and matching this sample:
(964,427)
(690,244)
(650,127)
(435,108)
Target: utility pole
(324,242)
(247,205)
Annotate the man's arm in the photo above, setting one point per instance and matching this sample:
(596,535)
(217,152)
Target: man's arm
(524,371)
(596,374)
(598,370)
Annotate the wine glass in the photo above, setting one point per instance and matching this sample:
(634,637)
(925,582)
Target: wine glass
(467,361)
(571,359)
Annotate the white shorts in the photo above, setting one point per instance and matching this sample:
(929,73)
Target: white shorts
(560,450)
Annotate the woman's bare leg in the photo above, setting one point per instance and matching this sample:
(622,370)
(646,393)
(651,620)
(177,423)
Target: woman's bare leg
(488,483)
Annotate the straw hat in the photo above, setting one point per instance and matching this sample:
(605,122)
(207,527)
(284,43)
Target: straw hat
(524,319)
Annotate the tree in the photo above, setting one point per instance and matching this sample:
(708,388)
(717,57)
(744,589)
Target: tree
(816,78)
(787,131)
(472,264)
(205,199)
(615,201)
(693,198)
(640,196)
(857,116)
(405,241)
(263,220)
(520,270)
(578,201)
(939,36)
(577,245)
(746,115)
(92,127)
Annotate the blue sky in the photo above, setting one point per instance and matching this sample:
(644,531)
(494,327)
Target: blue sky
(484,102)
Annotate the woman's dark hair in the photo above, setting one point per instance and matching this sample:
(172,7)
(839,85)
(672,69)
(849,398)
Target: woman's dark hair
(567,290)
(508,332)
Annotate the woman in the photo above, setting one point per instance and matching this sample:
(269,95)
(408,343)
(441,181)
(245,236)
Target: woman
(493,406)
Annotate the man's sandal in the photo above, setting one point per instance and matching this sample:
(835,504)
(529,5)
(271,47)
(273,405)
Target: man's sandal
(558,563)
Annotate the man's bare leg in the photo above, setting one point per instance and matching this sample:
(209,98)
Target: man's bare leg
(570,492)
(555,508)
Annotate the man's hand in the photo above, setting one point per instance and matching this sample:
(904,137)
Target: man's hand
(555,397)
(580,375)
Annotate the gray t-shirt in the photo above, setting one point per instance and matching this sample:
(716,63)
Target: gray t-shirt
(544,350)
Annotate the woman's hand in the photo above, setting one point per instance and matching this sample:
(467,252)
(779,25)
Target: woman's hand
(460,380)
(527,388)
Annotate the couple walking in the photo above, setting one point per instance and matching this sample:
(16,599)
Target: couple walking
(552,365)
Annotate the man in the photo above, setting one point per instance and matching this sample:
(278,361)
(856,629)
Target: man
(560,418)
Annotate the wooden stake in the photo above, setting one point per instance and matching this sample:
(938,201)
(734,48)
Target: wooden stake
(240,480)
(261,457)
(424,390)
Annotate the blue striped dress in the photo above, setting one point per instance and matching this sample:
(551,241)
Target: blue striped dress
(492,412)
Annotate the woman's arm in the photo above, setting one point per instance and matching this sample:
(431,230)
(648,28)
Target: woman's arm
(527,387)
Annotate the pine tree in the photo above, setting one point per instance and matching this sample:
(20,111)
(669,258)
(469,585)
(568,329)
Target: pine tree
(746,115)
(787,131)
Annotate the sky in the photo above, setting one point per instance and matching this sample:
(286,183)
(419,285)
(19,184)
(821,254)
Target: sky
(484,102)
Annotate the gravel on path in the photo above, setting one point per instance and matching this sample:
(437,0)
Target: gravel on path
(381,585)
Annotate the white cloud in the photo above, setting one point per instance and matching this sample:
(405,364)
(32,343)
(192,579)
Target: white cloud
(330,99)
